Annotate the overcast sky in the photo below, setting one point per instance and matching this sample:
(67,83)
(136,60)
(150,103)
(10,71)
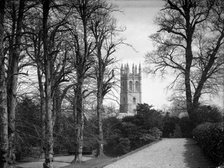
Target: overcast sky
(138,17)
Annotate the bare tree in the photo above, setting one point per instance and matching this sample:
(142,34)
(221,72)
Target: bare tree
(3,96)
(48,84)
(58,54)
(103,27)
(34,50)
(83,59)
(190,44)
(15,18)
(16,12)
(55,67)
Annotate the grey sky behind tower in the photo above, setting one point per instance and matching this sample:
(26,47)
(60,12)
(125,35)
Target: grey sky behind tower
(138,16)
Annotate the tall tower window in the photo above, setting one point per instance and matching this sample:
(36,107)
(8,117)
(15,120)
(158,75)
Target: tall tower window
(130,85)
(137,86)
(134,100)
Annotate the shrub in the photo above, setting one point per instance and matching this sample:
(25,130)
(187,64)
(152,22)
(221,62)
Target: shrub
(27,128)
(210,137)
(132,132)
(186,126)
(117,146)
(156,133)
(149,117)
(177,132)
(207,114)
(123,147)
(170,124)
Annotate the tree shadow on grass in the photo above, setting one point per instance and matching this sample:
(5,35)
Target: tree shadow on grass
(194,156)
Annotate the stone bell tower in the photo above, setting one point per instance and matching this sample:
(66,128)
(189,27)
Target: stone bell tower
(131,89)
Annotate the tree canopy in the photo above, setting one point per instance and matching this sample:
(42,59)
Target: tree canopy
(189,44)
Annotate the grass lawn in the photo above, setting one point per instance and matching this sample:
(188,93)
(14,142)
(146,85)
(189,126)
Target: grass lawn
(104,160)
(93,163)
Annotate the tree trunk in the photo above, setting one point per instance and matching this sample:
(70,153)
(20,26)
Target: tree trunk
(48,93)
(57,101)
(49,126)
(99,108)
(42,110)
(57,115)
(12,90)
(83,52)
(99,118)
(79,121)
(188,58)
(74,108)
(3,97)
(13,81)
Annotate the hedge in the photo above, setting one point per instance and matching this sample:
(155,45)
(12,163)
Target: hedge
(210,137)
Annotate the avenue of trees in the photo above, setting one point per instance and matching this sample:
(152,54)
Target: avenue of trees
(190,44)
(57,66)
(68,47)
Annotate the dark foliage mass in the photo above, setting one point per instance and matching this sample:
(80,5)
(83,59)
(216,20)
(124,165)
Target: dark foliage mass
(203,114)
(120,135)
(182,127)
(28,128)
(64,142)
(207,114)
(132,132)
(171,126)
(174,127)
(28,135)
(210,137)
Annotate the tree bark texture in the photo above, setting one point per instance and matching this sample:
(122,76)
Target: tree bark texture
(3,97)
(57,101)
(42,109)
(79,120)
(188,57)
(99,118)
(100,76)
(48,93)
(12,80)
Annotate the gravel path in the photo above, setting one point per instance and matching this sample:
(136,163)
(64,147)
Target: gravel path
(167,153)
